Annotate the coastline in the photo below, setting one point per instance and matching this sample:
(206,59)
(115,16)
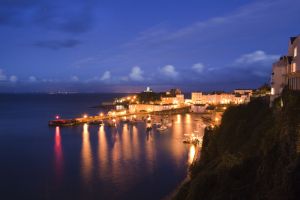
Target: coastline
(187,179)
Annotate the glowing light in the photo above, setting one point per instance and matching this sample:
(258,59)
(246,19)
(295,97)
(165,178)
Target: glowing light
(57,117)
(272,91)
(101,114)
(192,153)
(85,116)
(86,154)
(188,118)
(178,118)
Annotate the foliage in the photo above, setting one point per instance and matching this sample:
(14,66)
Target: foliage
(252,155)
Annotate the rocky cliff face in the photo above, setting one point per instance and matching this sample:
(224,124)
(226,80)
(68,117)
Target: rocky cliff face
(252,155)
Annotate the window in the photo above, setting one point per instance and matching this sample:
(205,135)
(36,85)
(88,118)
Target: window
(295,51)
(293,67)
(272,91)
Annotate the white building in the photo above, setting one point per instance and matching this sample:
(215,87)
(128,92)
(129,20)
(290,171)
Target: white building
(222,98)
(286,71)
(177,100)
(243,91)
(134,108)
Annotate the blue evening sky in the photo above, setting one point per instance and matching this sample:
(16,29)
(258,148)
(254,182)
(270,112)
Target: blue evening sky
(125,45)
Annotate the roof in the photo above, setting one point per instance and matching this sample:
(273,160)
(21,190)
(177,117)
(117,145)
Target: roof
(292,39)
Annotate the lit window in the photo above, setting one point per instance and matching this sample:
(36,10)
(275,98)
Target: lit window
(272,91)
(295,51)
(294,67)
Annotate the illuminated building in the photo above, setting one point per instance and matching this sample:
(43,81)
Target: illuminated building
(285,71)
(219,98)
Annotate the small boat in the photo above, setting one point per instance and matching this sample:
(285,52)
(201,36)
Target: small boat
(162,128)
(101,123)
(96,122)
(112,123)
(192,140)
(156,124)
(169,124)
(148,127)
(132,122)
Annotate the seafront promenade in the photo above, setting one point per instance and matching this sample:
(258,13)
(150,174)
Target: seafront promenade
(106,117)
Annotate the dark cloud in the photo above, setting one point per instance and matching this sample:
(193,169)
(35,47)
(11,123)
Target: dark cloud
(66,16)
(57,44)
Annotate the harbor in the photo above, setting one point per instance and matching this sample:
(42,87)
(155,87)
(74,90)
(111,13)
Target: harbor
(139,107)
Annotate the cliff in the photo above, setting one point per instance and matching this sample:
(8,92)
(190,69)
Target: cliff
(251,155)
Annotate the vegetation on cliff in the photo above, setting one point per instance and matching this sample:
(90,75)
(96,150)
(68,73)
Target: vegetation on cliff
(251,155)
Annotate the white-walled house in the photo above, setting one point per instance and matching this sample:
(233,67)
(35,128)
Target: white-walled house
(286,71)
(222,98)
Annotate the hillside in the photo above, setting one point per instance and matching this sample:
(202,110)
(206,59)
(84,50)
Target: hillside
(252,155)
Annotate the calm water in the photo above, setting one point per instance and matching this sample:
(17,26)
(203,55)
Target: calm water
(86,162)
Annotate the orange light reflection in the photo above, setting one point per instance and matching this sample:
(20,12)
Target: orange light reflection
(86,154)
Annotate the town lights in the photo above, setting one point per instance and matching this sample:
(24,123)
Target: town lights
(85,116)
(101,114)
(57,117)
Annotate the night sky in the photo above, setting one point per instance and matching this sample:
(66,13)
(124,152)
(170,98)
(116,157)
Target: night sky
(125,45)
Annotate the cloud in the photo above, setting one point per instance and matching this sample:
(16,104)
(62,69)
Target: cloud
(198,67)
(32,79)
(74,78)
(255,57)
(2,75)
(13,78)
(169,71)
(57,44)
(106,76)
(53,15)
(257,63)
(209,38)
(136,74)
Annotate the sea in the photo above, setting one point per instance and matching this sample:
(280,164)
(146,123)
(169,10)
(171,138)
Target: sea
(87,161)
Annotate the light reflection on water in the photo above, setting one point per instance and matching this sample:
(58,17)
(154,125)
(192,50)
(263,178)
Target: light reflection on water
(58,155)
(123,157)
(192,153)
(102,152)
(86,155)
